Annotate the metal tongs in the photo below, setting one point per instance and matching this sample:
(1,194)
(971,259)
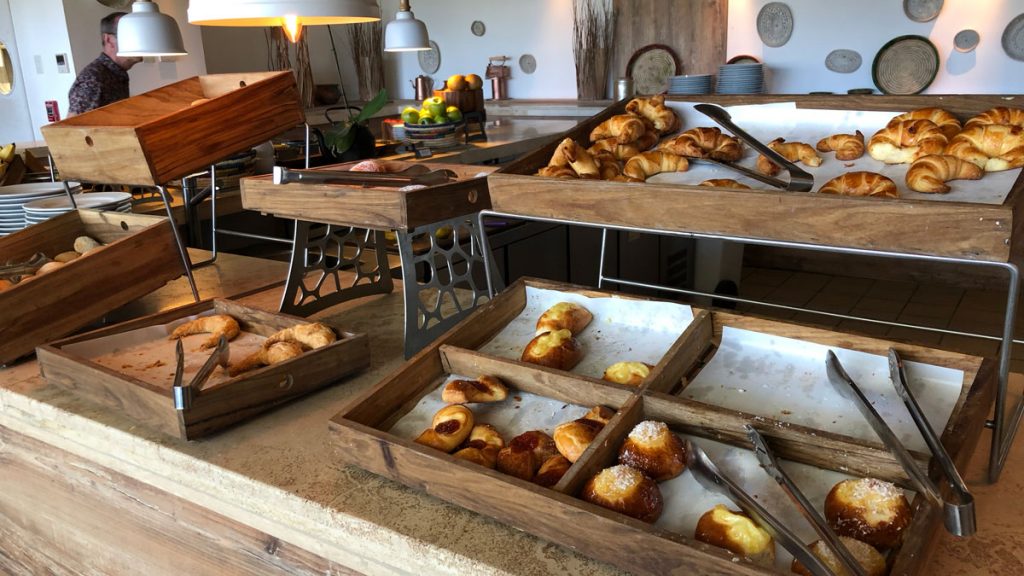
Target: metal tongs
(184,393)
(416,174)
(21,268)
(799,180)
(959,517)
(711,478)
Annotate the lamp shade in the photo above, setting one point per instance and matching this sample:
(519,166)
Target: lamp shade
(147,32)
(405,33)
(273,12)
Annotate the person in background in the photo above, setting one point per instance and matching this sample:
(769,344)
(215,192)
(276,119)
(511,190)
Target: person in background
(105,79)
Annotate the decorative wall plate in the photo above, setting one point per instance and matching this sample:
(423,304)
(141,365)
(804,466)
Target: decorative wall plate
(966,40)
(843,61)
(430,60)
(652,67)
(775,24)
(1013,38)
(905,65)
(922,10)
(477,28)
(527,63)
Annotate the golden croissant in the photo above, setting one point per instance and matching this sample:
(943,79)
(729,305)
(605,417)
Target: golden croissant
(558,159)
(846,146)
(791,151)
(309,336)
(998,115)
(612,147)
(218,325)
(273,354)
(704,143)
(724,183)
(582,161)
(662,117)
(861,184)
(557,172)
(905,141)
(625,128)
(991,147)
(643,166)
(930,173)
(948,124)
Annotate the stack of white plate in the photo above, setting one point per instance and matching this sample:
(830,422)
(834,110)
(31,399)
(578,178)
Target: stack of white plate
(13,198)
(741,79)
(690,84)
(42,210)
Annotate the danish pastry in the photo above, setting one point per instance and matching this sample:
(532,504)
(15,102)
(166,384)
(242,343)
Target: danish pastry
(724,183)
(846,146)
(992,148)
(625,128)
(861,184)
(662,117)
(482,447)
(564,316)
(309,336)
(704,143)
(484,389)
(870,510)
(947,123)
(792,151)
(905,141)
(600,414)
(654,450)
(573,438)
(647,164)
(998,115)
(737,533)
(870,560)
(551,471)
(450,428)
(625,490)
(524,454)
(930,173)
(556,349)
(270,355)
(217,324)
(628,373)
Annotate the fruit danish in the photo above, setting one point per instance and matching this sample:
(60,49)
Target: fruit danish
(551,471)
(573,438)
(482,447)
(449,428)
(524,454)
(484,389)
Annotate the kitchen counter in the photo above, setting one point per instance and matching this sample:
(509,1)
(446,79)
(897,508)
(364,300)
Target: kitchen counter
(506,139)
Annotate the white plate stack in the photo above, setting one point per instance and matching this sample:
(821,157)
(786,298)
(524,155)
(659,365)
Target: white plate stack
(42,210)
(741,79)
(690,84)
(13,198)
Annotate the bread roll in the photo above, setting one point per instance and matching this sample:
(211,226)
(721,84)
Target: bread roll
(846,146)
(792,151)
(66,257)
(654,450)
(450,428)
(564,316)
(49,267)
(84,244)
(870,510)
(992,148)
(704,143)
(870,560)
(551,471)
(484,389)
(861,184)
(930,173)
(573,438)
(947,123)
(724,183)
(628,373)
(906,141)
(556,349)
(737,533)
(625,490)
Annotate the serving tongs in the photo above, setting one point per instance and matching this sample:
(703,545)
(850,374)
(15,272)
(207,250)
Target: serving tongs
(415,174)
(29,266)
(711,478)
(958,517)
(767,459)
(799,180)
(184,393)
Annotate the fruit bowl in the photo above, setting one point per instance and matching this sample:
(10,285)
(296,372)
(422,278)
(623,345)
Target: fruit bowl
(432,131)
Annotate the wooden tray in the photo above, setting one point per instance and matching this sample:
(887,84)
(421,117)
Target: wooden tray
(219,405)
(366,207)
(160,136)
(361,431)
(139,256)
(974,231)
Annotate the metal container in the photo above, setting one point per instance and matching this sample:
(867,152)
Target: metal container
(624,88)
(424,86)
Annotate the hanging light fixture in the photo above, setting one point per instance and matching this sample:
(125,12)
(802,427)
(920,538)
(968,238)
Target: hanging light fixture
(405,33)
(291,15)
(147,32)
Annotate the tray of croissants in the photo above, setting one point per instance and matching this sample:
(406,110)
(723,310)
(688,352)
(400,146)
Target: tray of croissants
(266,359)
(547,410)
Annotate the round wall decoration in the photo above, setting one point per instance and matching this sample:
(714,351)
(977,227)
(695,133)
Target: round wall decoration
(843,61)
(775,24)
(905,65)
(1013,38)
(527,63)
(922,10)
(966,40)
(430,60)
(478,28)
(652,67)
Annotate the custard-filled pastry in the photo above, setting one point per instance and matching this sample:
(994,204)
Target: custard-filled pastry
(870,510)
(654,450)
(551,471)
(870,560)
(482,447)
(564,316)
(625,490)
(628,373)
(737,533)
(449,428)
(556,349)
(484,389)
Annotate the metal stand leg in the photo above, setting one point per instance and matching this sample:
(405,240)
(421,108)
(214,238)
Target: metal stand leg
(495,283)
(185,260)
(1003,436)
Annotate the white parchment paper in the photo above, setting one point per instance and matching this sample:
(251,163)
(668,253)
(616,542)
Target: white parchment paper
(767,122)
(622,329)
(785,379)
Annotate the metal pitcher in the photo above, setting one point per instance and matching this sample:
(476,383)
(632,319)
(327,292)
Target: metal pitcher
(424,86)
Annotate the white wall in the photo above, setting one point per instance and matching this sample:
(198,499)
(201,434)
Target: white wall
(14,117)
(865,26)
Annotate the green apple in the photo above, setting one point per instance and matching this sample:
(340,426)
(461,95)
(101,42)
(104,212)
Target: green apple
(434,104)
(426,120)
(410,115)
(441,119)
(453,113)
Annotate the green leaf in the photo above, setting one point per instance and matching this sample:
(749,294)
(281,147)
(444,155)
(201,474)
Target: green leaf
(339,138)
(372,107)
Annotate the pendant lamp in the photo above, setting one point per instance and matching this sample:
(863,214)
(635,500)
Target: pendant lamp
(147,32)
(292,15)
(405,33)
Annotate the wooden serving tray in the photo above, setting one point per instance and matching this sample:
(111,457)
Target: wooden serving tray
(956,229)
(160,136)
(371,207)
(217,405)
(362,432)
(139,256)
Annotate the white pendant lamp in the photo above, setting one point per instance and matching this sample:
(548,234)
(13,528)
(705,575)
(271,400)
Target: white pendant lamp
(291,15)
(147,32)
(405,33)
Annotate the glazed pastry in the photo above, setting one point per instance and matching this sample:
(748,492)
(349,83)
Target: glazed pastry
(551,471)
(654,450)
(846,146)
(704,143)
(625,490)
(870,560)
(612,147)
(906,141)
(573,438)
(309,336)
(861,184)
(273,354)
(483,389)
(217,324)
(998,115)
(525,453)
(647,164)
(628,373)
(557,172)
(662,117)
(724,183)
(625,128)
(450,428)
(564,316)
(947,123)
(556,349)
(600,414)
(792,151)
(737,533)
(870,510)
(992,148)
(482,447)
(930,173)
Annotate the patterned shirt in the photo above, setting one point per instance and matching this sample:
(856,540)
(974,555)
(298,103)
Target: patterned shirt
(102,82)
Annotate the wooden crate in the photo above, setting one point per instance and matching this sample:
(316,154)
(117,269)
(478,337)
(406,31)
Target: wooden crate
(216,407)
(371,207)
(361,432)
(956,229)
(139,256)
(165,134)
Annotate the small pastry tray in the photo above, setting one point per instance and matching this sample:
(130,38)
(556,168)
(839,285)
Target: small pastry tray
(377,431)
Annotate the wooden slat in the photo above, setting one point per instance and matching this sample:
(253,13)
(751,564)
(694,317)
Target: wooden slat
(683,355)
(604,450)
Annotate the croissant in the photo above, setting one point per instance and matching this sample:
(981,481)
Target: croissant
(846,146)
(273,354)
(612,147)
(664,119)
(582,161)
(998,115)
(609,167)
(557,172)
(724,183)
(930,173)
(906,141)
(449,428)
(791,151)
(947,123)
(646,141)
(991,147)
(647,164)
(861,184)
(218,325)
(625,128)
(704,143)
(558,158)
(309,336)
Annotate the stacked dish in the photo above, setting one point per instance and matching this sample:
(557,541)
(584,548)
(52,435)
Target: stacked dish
(13,198)
(741,78)
(690,84)
(38,211)
(434,135)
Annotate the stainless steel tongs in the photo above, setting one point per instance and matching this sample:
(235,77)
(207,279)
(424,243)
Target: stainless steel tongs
(959,517)
(416,174)
(799,180)
(184,393)
(29,266)
(709,476)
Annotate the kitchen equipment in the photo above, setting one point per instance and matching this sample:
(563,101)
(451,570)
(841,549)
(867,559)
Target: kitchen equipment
(624,88)
(424,87)
(499,73)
